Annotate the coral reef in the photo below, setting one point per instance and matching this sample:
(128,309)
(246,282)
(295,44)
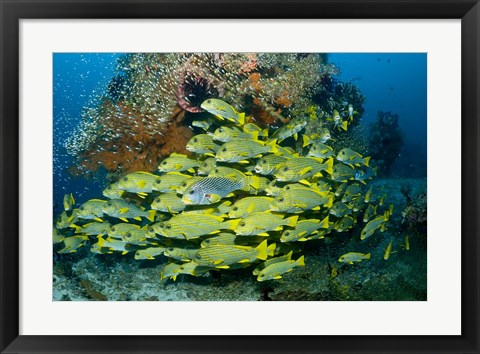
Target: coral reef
(414,215)
(385,141)
(146,108)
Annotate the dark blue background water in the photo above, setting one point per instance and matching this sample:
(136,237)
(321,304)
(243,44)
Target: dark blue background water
(390,82)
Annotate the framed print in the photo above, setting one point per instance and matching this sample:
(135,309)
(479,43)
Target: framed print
(238,177)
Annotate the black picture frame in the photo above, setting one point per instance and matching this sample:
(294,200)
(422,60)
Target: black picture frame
(12,11)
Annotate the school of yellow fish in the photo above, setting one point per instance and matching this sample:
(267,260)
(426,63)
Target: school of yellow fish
(244,199)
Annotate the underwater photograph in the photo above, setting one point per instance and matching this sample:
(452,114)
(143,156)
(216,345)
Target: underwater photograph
(239,177)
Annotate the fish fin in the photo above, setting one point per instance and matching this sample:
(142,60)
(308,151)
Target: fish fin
(303,233)
(213,198)
(142,195)
(368,255)
(367,160)
(304,181)
(295,136)
(344,125)
(124,253)
(246,260)
(271,249)
(151,215)
(324,224)
(266,233)
(123,210)
(329,164)
(254,135)
(72,200)
(138,218)
(76,227)
(191,170)
(214,232)
(262,250)
(241,118)
(277,277)
(98,219)
(292,220)
(123,219)
(301,261)
(232,224)
(177,166)
(223,267)
(305,170)
(330,202)
(316,208)
(306,140)
(174,277)
(254,181)
(141,184)
(273,146)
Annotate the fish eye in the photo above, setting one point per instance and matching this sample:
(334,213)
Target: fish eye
(287,233)
(169,226)
(151,230)
(128,234)
(112,228)
(195,140)
(220,130)
(242,223)
(82,208)
(281,199)
(164,162)
(342,152)
(209,101)
(125,178)
(224,149)
(109,203)
(170,249)
(184,184)
(158,180)
(191,192)
(285,169)
(264,161)
(197,256)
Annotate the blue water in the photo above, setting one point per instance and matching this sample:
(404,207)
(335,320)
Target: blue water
(78,82)
(395,82)
(390,82)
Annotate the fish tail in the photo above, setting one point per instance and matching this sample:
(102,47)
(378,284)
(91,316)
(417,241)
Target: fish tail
(306,140)
(273,146)
(271,249)
(329,166)
(325,223)
(230,224)
(241,118)
(151,215)
(368,255)
(292,220)
(262,250)
(330,201)
(301,261)
(254,181)
(367,160)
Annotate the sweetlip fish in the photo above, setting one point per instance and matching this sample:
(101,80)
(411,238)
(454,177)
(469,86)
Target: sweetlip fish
(222,110)
(209,190)
(276,270)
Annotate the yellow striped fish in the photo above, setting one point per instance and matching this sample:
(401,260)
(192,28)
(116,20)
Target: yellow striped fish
(222,256)
(261,223)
